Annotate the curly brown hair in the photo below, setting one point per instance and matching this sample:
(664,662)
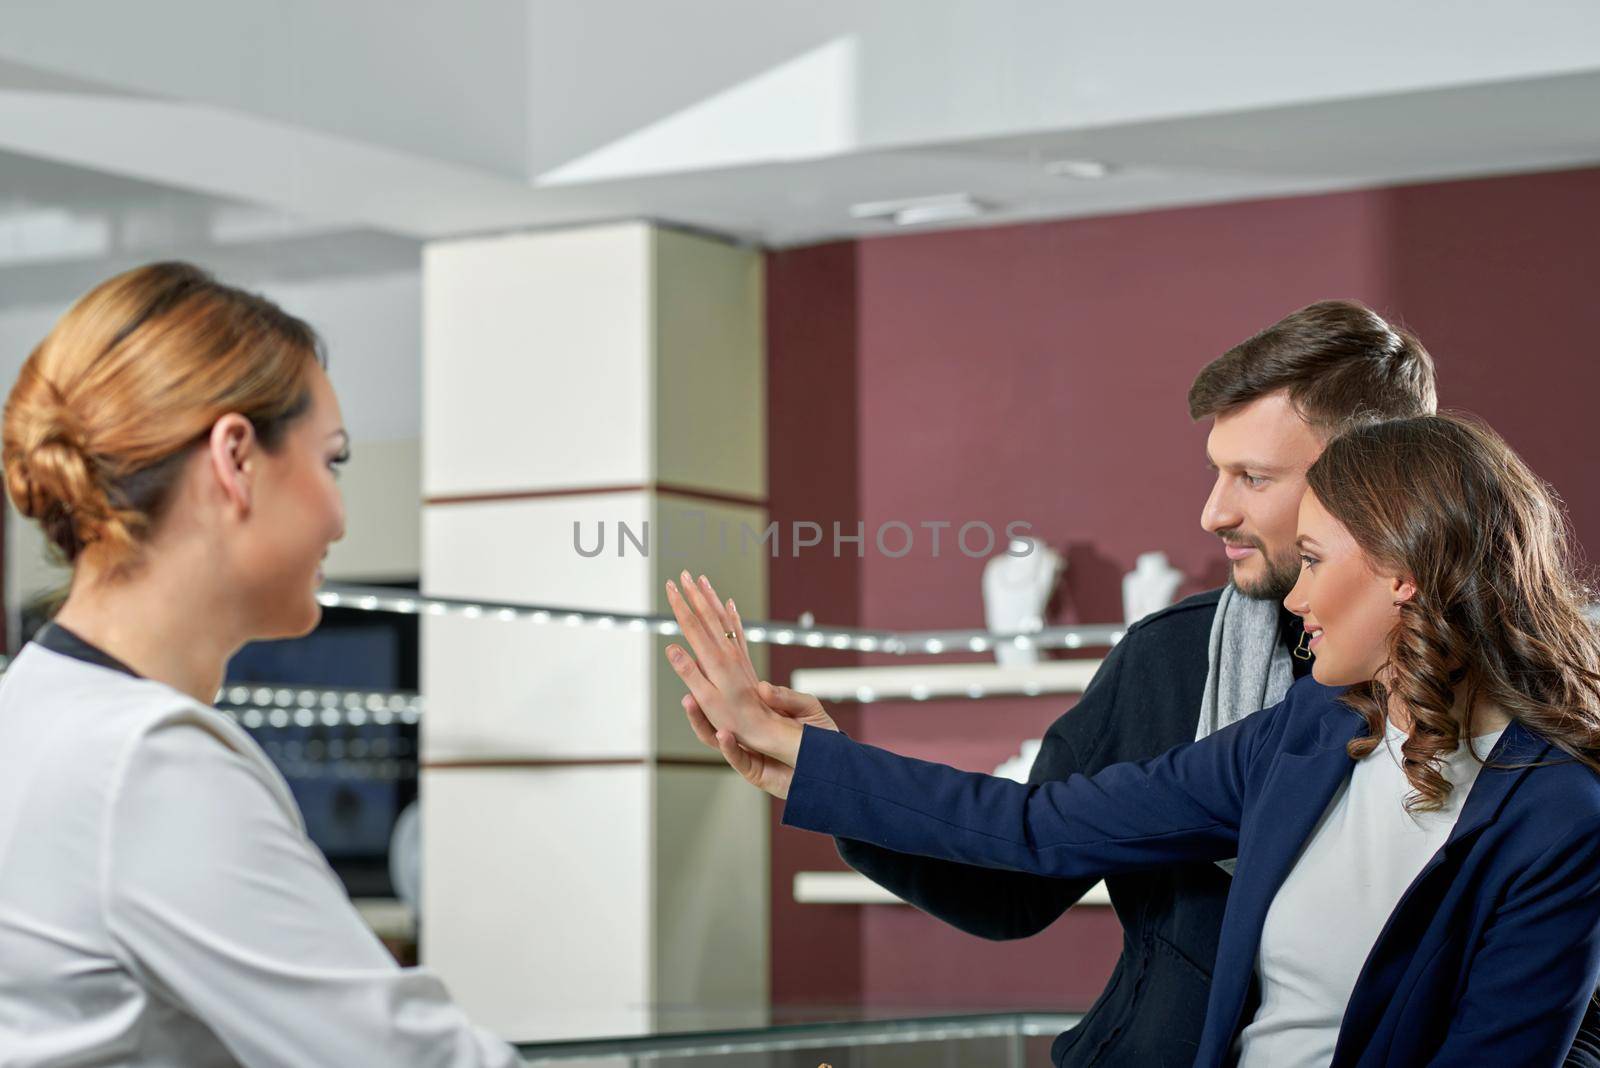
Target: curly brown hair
(1499,613)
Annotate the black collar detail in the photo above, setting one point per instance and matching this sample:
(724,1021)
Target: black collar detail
(58,639)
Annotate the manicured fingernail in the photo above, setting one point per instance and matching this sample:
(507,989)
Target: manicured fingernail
(731,606)
(687,580)
(672,587)
(675,654)
(705,582)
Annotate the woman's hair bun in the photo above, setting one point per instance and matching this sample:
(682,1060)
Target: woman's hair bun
(106,408)
(51,474)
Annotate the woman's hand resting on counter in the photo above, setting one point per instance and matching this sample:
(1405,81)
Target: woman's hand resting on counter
(755,725)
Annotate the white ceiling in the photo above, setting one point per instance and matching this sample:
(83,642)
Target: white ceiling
(313,143)
(63,228)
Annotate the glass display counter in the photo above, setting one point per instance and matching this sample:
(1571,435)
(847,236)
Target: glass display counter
(809,1037)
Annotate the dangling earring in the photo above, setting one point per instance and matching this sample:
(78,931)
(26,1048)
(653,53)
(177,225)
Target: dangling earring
(1302,651)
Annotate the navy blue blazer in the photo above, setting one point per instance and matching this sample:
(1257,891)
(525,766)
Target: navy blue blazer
(1488,958)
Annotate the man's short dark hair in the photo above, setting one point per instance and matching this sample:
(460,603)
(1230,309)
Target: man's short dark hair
(1340,362)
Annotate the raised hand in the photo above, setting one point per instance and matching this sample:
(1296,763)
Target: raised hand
(758,769)
(723,681)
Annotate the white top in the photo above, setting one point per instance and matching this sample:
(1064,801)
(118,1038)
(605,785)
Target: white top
(1361,858)
(160,903)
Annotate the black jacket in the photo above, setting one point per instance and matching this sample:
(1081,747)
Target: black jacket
(1144,701)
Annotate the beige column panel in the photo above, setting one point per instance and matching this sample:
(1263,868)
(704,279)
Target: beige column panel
(593,422)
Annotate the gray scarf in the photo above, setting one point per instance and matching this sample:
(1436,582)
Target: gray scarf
(1248,667)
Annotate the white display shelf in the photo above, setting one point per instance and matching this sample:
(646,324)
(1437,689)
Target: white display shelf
(853,888)
(926,682)
(387,917)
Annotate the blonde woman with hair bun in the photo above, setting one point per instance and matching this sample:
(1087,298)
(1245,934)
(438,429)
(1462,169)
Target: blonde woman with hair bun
(160,904)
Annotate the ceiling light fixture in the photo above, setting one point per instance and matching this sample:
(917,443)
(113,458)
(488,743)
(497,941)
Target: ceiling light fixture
(1081,169)
(914,210)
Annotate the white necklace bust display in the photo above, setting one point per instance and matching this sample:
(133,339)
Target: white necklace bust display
(1017,768)
(1151,586)
(1016,587)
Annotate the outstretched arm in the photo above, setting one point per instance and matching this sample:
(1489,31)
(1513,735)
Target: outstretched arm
(985,902)
(1183,805)
(990,902)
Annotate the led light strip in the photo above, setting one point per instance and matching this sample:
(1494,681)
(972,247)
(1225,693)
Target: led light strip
(257,705)
(900,643)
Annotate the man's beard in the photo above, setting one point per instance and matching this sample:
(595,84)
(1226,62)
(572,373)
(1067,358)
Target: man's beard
(1275,585)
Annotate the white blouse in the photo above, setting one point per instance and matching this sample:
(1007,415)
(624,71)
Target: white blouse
(160,903)
(1361,858)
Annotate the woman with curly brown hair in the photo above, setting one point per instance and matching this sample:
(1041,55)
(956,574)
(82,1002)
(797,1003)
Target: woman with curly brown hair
(1417,825)
(160,903)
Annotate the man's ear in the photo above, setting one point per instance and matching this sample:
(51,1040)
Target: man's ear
(234,452)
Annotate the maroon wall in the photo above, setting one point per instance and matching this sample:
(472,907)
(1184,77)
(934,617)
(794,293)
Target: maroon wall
(813,450)
(1501,278)
(1038,373)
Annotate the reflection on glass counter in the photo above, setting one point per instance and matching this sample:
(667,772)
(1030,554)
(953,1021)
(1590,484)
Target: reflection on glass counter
(806,1037)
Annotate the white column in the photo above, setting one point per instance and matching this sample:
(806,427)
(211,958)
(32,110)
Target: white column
(584,858)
